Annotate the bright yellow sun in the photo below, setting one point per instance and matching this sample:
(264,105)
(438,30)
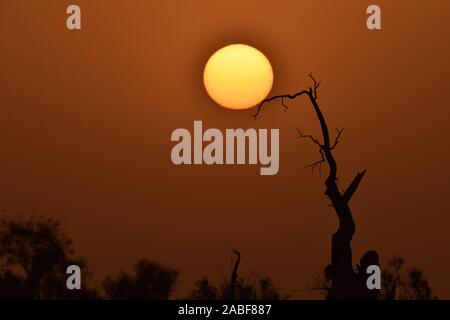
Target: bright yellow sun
(238,76)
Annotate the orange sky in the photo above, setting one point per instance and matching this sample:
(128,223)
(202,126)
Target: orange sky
(87,117)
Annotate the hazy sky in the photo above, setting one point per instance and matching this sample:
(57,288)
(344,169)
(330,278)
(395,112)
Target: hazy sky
(87,117)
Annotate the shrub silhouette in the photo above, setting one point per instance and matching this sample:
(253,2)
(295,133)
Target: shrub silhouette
(253,287)
(401,284)
(150,281)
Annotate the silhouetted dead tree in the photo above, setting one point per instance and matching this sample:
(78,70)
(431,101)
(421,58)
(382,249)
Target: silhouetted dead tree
(234,275)
(342,273)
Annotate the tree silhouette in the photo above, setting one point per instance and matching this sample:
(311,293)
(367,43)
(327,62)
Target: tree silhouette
(150,281)
(345,282)
(34,255)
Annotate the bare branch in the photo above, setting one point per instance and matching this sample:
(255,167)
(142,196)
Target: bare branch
(316,85)
(353,186)
(282,97)
(336,141)
(315,140)
(312,93)
(282,103)
(316,164)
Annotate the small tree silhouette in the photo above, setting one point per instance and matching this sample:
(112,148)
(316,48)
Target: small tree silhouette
(150,281)
(346,284)
(401,284)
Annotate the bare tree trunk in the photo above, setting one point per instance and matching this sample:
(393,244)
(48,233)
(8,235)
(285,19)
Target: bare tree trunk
(234,275)
(341,252)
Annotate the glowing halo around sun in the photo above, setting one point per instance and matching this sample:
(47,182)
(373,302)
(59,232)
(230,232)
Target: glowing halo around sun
(238,76)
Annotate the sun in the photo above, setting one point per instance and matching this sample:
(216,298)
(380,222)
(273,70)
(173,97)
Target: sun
(238,76)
